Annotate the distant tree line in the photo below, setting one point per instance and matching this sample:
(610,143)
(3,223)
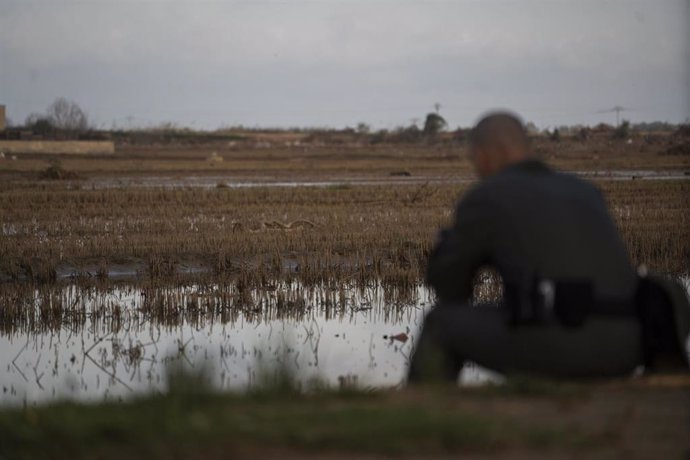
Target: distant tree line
(66,119)
(63,118)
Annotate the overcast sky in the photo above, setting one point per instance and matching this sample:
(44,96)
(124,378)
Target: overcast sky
(207,64)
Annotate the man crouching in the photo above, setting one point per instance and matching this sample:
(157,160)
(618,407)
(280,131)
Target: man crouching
(569,286)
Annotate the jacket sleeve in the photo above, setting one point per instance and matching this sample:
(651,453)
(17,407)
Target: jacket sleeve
(461,249)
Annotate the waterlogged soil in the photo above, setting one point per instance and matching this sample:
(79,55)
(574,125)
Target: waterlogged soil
(135,269)
(122,341)
(336,180)
(115,341)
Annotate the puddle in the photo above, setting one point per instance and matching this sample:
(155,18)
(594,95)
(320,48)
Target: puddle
(232,182)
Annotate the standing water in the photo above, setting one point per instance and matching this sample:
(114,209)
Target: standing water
(117,342)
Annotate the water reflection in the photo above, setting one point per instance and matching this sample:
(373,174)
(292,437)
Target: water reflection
(91,343)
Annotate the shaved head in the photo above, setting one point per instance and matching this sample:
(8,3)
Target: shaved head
(497,141)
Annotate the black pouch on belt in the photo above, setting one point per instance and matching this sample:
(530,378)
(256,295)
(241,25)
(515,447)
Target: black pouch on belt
(572,302)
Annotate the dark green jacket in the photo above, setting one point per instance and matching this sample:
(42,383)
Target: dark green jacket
(529,221)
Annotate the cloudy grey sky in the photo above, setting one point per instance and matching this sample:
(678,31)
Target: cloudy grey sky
(338,62)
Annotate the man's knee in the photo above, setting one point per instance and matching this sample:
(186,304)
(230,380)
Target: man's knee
(441,311)
(436,319)
(455,318)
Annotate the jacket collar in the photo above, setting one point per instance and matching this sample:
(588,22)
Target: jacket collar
(531,165)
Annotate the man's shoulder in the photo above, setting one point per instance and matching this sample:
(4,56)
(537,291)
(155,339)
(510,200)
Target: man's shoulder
(515,189)
(530,174)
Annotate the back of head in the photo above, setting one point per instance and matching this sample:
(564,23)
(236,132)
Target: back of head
(498,140)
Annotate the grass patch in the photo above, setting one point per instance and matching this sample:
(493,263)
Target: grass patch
(379,423)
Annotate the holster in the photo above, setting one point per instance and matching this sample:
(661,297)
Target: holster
(569,302)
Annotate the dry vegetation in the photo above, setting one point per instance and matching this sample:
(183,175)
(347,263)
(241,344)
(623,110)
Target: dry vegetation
(654,220)
(64,226)
(50,308)
(259,234)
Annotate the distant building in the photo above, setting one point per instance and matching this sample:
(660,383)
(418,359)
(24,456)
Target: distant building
(3,123)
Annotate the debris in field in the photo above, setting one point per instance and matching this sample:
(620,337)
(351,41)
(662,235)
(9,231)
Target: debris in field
(401,337)
(275,225)
(56,172)
(214,158)
(680,149)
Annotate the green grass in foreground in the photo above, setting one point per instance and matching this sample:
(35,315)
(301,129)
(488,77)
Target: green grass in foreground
(194,423)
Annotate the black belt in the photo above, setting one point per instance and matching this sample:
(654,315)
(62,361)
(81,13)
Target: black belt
(570,302)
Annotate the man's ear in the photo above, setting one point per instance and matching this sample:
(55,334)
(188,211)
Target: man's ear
(483,163)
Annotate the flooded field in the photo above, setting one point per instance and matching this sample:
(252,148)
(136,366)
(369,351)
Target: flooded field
(254,265)
(395,179)
(117,341)
(91,343)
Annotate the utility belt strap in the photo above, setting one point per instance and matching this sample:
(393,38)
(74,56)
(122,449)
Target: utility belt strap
(570,302)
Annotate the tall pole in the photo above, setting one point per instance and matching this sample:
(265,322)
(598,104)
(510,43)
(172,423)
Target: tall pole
(618,109)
